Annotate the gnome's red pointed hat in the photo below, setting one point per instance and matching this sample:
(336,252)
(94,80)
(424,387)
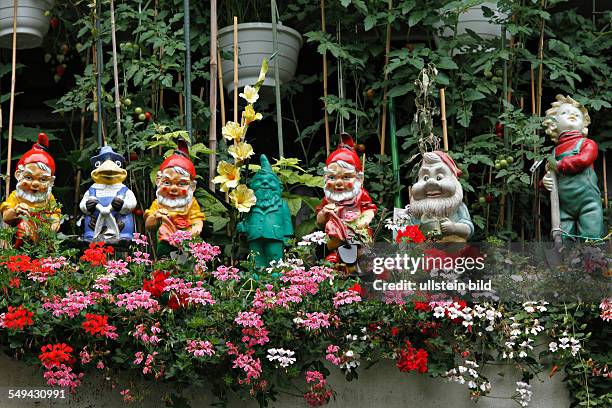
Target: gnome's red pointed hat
(446,159)
(345,152)
(38,154)
(180,158)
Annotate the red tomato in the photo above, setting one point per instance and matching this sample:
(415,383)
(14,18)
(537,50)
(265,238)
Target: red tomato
(54,22)
(148,115)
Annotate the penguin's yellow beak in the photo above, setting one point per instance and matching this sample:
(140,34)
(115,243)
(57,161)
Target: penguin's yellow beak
(108,173)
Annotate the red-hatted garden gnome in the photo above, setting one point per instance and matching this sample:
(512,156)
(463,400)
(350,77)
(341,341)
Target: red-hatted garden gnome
(436,200)
(580,207)
(347,209)
(32,197)
(175,207)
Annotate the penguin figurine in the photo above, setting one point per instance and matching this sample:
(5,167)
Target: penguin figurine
(108,203)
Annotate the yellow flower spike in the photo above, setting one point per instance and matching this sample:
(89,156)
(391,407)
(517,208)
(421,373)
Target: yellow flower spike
(241,151)
(233,131)
(243,198)
(250,115)
(228,176)
(249,94)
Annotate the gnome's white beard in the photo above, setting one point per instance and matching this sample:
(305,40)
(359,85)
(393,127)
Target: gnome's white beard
(174,202)
(437,207)
(33,198)
(338,197)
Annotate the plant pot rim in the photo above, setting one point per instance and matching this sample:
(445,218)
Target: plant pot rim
(280,26)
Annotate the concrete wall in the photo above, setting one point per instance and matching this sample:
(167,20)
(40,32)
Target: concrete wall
(380,386)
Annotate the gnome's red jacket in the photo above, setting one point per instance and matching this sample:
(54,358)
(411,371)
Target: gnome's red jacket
(579,162)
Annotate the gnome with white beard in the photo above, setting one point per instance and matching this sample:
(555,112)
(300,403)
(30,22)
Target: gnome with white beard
(175,208)
(436,200)
(347,209)
(32,197)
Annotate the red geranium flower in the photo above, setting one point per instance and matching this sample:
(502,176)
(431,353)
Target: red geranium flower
(156,285)
(18,317)
(357,288)
(96,254)
(18,263)
(56,355)
(95,324)
(422,306)
(411,233)
(411,359)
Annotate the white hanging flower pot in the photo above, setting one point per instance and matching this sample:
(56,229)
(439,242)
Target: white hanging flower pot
(32,24)
(473,18)
(254,44)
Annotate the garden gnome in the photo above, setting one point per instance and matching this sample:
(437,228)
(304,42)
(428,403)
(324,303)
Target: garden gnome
(175,208)
(436,200)
(108,203)
(32,197)
(580,207)
(347,209)
(268,225)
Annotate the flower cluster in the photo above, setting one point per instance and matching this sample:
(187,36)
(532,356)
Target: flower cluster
(97,325)
(317,238)
(190,293)
(140,299)
(151,337)
(156,285)
(62,376)
(332,355)
(606,309)
(225,273)
(284,357)
(117,267)
(96,254)
(410,233)
(177,237)
(54,355)
(72,304)
(203,252)
(17,318)
(411,359)
(346,298)
(467,373)
(318,394)
(200,348)
(228,174)
(314,321)
(524,393)
(565,342)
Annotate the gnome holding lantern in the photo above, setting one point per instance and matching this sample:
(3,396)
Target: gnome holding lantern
(108,203)
(175,208)
(436,200)
(347,209)
(268,225)
(580,207)
(32,197)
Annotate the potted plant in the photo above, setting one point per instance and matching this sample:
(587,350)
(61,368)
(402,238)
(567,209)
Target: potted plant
(478,19)
(255,42)
(32,22)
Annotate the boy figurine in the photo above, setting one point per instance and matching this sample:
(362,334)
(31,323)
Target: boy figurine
(268,225)
(175,207)
(579,195)
(35,176)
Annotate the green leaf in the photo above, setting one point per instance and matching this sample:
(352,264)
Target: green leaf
(416,17)
(473,95)
(369,22)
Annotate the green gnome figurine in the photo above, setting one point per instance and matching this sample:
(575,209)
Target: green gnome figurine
(268,225)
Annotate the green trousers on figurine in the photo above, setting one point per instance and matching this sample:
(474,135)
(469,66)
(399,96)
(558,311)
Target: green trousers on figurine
(580,200)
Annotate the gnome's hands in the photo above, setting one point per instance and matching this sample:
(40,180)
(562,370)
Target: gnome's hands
(90,205)
(22,209)
(117,203)
(547,181)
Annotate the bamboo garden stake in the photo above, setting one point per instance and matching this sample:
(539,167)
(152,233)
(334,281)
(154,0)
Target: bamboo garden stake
(443,119)
(212,96)
(115,71)
(327,141)
(383,128)
(235,69)
(12,102)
